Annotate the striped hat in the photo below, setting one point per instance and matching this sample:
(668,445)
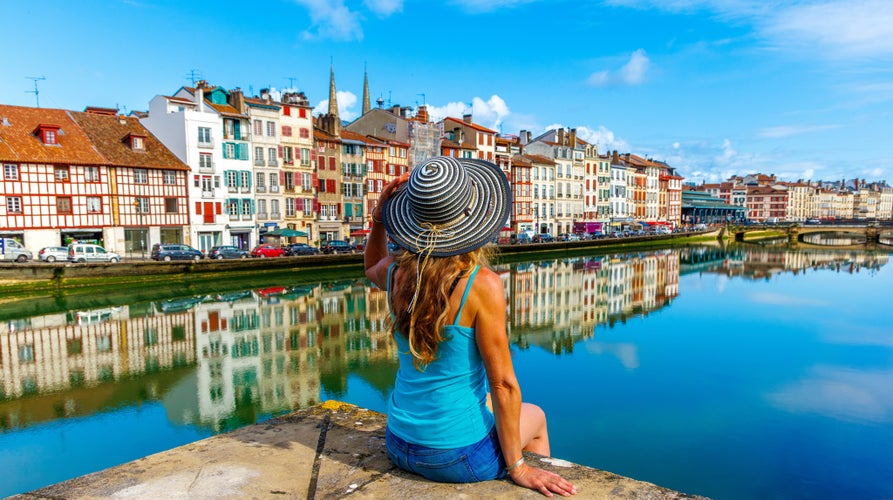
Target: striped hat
(448,206)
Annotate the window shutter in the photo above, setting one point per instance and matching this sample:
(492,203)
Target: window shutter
(198,208)
(218,207)
(281,178)
(279,151)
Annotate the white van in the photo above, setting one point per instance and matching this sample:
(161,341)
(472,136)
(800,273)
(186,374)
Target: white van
(87,252)
(11,249)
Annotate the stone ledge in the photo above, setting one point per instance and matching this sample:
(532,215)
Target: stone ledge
(332,450)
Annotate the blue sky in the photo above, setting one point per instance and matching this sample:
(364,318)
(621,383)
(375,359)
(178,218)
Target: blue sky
(802,89)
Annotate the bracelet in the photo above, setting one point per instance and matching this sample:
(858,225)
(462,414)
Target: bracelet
(515,465)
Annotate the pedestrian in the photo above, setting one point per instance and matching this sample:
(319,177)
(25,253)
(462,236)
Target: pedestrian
(455,414)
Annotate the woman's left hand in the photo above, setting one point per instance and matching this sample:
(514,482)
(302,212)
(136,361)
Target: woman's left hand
(543,481)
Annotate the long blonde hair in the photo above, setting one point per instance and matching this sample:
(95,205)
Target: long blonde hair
(421,302)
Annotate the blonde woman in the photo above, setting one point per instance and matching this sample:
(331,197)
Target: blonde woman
(448,310)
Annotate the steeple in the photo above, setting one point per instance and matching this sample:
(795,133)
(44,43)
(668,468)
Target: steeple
(366,104)
(333,99)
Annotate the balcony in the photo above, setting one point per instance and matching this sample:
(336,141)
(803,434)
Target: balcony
(258,162)
(207,194)
(232,189)
(233,217)
(274,189)
(246,189)
(262,216)
(261,189)
(206,168)
(208,144)
(272,163)
(275,216)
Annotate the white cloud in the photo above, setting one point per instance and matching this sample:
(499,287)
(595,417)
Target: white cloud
(490,113)
(602,137)
(631,73)
(331,19)
(346,103)
(837,29)
(384,8)
(777,299)
(792,130)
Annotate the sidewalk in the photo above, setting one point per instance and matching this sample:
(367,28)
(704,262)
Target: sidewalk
(332,450)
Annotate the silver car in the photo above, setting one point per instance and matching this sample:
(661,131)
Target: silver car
(52,254)
(85,252)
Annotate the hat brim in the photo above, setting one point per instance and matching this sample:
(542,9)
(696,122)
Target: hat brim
(486,216)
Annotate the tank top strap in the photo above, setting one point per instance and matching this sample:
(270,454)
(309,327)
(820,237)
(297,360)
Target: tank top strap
(465,295)
(388,286)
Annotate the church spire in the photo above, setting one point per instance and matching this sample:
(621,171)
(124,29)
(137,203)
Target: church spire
(366,104)
(333,99)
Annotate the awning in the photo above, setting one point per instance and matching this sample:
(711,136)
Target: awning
(359,232)
(287,232)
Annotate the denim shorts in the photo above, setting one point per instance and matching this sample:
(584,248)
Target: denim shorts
(481,461)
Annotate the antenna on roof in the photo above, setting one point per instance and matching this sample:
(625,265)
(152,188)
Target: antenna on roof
(423,99)
(35,91)
(193,76)
(291,82)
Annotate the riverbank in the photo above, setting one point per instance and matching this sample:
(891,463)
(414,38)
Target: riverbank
(39,288)
(332,450)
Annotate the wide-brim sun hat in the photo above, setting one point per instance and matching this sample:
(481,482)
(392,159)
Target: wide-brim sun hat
(448,206)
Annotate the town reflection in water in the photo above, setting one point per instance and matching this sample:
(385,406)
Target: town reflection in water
(256,353)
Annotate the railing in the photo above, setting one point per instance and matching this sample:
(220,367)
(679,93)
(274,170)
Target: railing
(272,163)
(207,194)
(275,215)
(208,144)
(274,189)
(258,162)
(260,189)
(261,216)
(205,168)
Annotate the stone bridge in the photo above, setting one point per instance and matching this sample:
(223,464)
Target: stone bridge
(874,233)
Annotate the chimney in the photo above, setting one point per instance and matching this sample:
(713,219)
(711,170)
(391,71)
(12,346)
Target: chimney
(573,138)
(200,95)
(560,136)
(615,158)
(529,136)
(467,118)
(265,94)
(523,137)
(237,99)
(422,114)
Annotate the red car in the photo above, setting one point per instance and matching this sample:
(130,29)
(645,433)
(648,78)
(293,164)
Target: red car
(267,251)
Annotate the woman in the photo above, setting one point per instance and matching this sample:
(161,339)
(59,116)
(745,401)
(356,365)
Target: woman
(448,310)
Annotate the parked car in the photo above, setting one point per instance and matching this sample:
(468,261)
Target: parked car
(11,249)
(301,249)
(336,246)
(543,238)
(522,238)
(264,251)
(175,251)
(52,254)
(227,252)
(88,252)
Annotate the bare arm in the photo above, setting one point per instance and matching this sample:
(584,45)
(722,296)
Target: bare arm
(375,255)
(492,341)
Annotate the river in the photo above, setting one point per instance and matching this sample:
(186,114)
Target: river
(754,371)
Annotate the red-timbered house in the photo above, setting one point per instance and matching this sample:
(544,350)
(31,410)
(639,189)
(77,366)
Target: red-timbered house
(89,175)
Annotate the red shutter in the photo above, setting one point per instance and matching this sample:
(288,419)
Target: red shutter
(198,208)
(286,110)
(280,151)
(302,113)
(217,208)
(338,208)
(313,154)
(314,180)
(331,163)
(281,178)
(315,205)
(330,186)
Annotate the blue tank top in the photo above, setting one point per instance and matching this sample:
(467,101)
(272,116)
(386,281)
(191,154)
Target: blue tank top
(443,406)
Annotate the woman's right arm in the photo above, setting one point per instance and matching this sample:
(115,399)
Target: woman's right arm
(375,256)
(492,341)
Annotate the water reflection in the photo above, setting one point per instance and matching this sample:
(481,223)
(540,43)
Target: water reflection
(241,356)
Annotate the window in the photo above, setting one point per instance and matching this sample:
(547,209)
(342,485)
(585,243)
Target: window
(229,150)
(232,179)
(63,204)
(306,182)
(169,177)
(271,129)
(305,133)
(274,179)
(305,156)
(206,183)
(140,176)
(289,180)
(271,156)
(137,143)
(141,205)
(10,172)
(61,174)
(289,207)
(245,179)
(258,155)
(246,207)
(286,130)
(170,205)
(94,204)
(260,180)
(91,174)
(204,135)
(205,160)
(258,128)
(232,207)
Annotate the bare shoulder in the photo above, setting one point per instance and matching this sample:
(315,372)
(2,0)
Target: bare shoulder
(488,286)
